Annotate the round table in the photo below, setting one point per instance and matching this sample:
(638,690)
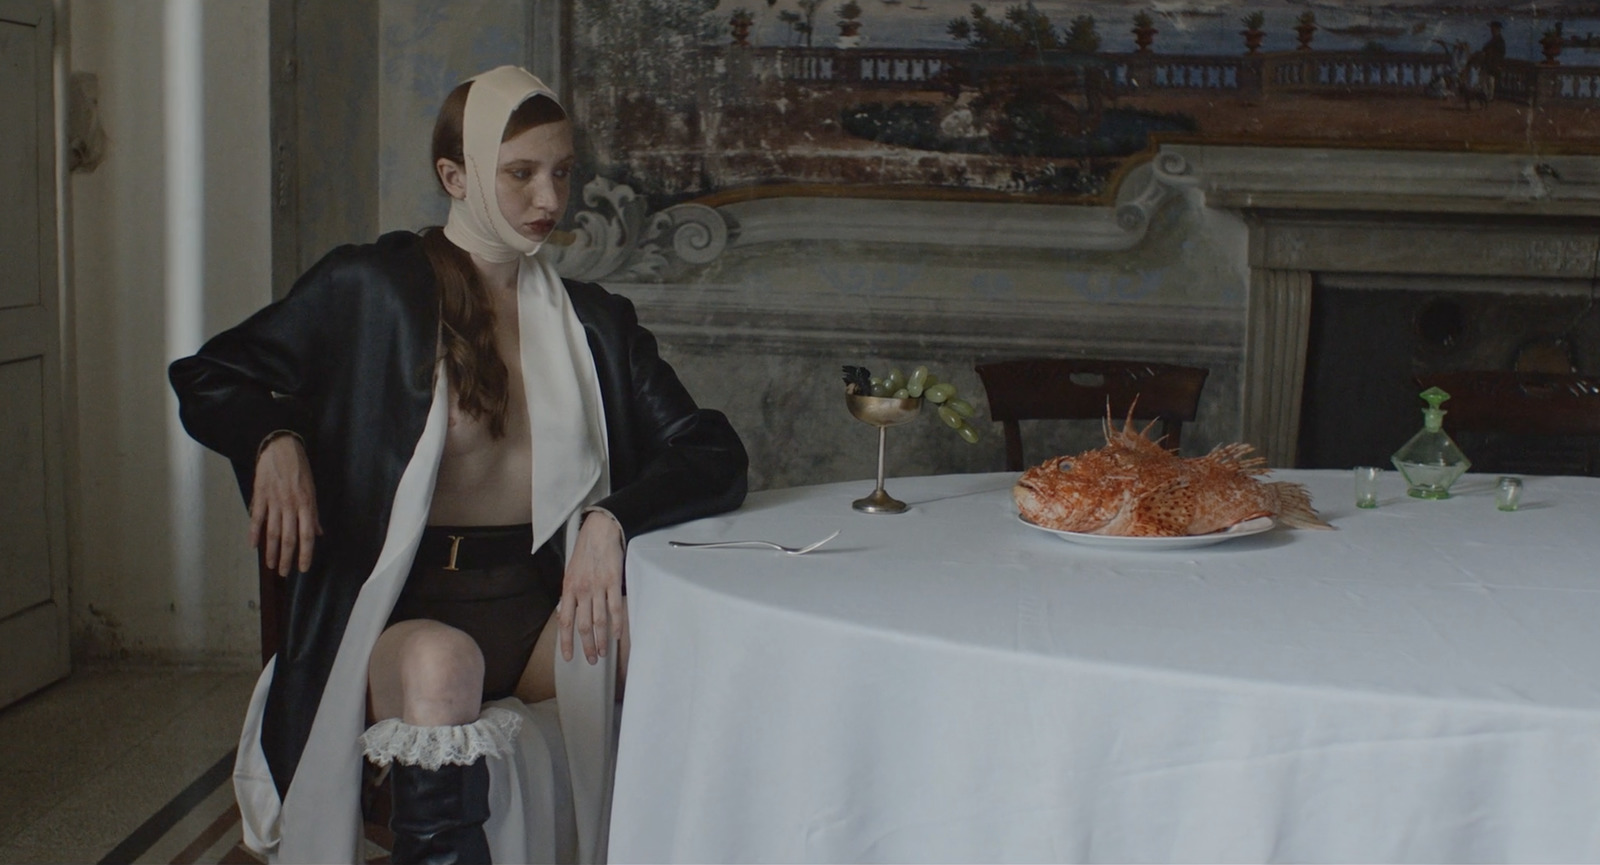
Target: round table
(950,684)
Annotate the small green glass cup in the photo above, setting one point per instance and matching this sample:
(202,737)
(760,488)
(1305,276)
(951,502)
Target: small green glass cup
(1366,484)
(1508,493)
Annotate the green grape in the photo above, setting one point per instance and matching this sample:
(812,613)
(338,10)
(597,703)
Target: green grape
(922,384)
(917,381)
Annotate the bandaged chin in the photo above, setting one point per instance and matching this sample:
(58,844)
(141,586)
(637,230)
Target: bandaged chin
(476,224)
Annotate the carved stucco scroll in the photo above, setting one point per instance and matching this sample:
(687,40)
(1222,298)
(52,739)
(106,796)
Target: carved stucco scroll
(618,240)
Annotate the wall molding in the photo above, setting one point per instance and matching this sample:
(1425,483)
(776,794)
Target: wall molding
(977,223)
(616,239)
(726,317)
(1311,179)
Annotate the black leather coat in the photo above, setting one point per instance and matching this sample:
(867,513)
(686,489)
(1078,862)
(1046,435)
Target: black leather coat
(347,361)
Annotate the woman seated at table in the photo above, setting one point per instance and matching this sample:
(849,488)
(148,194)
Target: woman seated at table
(453,379)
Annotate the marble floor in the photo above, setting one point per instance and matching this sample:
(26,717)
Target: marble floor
(87,762)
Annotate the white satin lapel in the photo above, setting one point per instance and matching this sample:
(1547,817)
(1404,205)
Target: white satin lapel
(569,442)
(563,394)
(321,816)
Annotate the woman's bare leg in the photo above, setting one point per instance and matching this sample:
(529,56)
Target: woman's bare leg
(538,680)
(425,673)
(429,676)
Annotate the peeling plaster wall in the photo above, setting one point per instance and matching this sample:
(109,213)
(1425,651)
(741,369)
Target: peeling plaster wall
(811,307)
(129,495)
(775,368)
(426,49)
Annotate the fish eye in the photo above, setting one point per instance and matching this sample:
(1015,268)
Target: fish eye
(1064,465)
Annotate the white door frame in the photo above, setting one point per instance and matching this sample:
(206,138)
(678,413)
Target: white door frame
(34,637)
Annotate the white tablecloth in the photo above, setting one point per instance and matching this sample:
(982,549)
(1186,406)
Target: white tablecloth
(951,685)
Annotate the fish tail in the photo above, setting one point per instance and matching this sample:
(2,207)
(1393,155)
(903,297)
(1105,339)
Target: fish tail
(1293,505)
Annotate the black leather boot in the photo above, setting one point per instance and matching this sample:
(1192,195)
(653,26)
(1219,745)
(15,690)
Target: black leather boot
(438,814)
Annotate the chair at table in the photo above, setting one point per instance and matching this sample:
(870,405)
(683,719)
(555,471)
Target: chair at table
(274,612)
(273,607)
(1081,389)
(1527,422)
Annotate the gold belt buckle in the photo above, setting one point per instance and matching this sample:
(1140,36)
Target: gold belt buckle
(455,546)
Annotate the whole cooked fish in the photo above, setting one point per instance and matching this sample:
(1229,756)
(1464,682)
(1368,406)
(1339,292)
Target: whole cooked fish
(1136,488)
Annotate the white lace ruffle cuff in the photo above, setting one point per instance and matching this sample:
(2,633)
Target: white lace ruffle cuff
(395,741)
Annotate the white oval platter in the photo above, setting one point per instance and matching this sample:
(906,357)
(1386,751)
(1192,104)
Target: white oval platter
(1181,542)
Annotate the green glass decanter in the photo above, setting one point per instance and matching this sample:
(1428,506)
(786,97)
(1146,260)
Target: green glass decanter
(1431,461)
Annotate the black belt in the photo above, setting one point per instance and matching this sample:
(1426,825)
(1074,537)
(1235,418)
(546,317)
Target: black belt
(466,548)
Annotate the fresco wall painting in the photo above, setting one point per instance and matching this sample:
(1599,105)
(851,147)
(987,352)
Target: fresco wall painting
(1052,101)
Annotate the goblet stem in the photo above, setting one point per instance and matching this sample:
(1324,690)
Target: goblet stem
(883,436)
(880,502)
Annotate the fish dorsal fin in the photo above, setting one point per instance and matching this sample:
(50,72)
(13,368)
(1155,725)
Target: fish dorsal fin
(1127,431)
(1235,456)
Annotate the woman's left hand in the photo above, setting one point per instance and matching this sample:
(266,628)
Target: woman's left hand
(591,591)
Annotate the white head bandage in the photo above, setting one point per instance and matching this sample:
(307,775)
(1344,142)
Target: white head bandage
(475,224)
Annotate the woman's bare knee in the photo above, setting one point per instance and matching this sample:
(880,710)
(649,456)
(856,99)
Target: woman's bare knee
(426,673)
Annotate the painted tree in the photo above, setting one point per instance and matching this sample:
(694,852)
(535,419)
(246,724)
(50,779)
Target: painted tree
(804,22)
(1082,37)
(1023,30)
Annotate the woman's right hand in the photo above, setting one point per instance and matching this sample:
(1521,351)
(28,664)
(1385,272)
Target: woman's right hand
(283,506)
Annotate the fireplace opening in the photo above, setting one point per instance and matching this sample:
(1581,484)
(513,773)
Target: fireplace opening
(1366,343)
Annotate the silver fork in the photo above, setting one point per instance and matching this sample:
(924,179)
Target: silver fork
(791,551)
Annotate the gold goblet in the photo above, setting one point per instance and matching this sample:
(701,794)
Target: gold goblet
(882,412)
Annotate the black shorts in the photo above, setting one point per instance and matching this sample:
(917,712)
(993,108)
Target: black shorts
(482,580)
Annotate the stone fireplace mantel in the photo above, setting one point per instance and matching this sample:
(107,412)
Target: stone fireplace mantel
(1321,180)
(1445,221)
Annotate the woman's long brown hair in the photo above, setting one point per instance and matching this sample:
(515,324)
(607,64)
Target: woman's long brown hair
(465,311)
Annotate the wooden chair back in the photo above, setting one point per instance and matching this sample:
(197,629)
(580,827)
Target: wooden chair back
(274,609)
(1082,389)
(1519,403)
